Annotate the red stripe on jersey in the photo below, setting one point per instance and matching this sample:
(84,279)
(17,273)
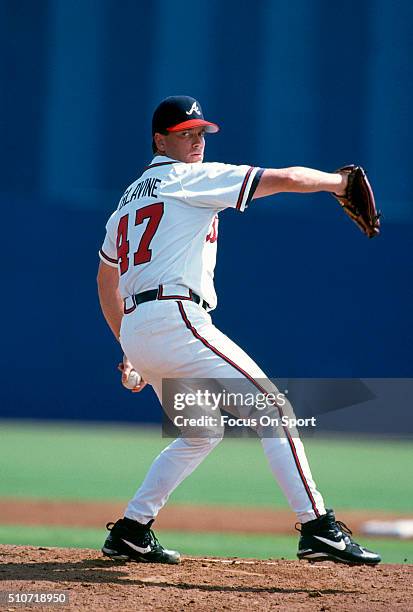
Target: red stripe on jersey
(115,261)
(258,386)
(243,186)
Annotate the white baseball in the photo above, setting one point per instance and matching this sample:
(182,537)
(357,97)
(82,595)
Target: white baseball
(134,379)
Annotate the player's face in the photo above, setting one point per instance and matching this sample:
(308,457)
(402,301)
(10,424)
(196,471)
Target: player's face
(186,146)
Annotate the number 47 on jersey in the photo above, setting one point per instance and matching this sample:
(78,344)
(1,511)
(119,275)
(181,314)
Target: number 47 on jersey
(154,213)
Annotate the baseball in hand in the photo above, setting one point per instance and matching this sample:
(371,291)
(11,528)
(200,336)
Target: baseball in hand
(134,379)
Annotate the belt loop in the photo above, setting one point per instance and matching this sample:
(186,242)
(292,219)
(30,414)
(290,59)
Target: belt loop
(127,310)
(160,292)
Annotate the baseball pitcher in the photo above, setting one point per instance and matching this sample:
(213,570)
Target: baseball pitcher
(156,290)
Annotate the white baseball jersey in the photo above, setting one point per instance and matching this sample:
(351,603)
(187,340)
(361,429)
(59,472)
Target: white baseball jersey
(163,236)
(164,230)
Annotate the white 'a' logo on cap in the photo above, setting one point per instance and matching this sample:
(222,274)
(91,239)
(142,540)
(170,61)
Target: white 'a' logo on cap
(194,109)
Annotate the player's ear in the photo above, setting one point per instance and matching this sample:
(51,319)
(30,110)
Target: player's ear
(159,142)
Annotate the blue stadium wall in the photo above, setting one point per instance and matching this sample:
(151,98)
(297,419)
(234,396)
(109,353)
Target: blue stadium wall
(310,82)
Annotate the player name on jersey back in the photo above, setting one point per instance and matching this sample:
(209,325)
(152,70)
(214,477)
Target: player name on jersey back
(146,188)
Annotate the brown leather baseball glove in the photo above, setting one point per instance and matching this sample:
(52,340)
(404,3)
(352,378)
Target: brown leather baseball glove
(358,201)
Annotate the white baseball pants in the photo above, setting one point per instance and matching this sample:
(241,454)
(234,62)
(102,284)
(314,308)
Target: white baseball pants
(177,339)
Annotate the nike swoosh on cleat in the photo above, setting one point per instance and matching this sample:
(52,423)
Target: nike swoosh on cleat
(307,550)
(138,549)
(368,553)
(339,545)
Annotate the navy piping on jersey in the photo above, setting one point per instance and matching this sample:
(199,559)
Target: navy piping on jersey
(254,185)
(115,261)
(243,186)
(160,164)
(254,382)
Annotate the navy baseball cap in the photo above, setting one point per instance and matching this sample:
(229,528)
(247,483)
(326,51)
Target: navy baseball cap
(179,113)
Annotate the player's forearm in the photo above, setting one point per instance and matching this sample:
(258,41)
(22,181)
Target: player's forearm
(299,180)
(112,308)
(109,297)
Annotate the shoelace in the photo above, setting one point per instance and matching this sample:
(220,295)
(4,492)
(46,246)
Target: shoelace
(343,527)
(154,539)
(147,535)
(347,531)
(339,524)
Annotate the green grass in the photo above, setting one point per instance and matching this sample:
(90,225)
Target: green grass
(103,462)
(200,544)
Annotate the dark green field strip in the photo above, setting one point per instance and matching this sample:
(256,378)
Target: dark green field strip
(197,544)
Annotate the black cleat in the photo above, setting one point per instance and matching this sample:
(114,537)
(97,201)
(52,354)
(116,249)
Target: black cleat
(326,539)
(131,541)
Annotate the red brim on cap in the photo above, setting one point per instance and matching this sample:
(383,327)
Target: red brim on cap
(193,123)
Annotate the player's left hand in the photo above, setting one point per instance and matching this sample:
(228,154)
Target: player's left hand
(357,200)
(126,368)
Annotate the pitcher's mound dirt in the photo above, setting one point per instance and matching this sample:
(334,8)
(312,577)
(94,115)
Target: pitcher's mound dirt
(96,583)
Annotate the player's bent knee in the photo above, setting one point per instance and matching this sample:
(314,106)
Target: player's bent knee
(215,441)
(204,442)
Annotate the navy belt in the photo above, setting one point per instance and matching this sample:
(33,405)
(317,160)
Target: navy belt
(157,294)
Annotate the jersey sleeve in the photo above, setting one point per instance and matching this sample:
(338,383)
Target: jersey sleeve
(108,252)
(219,186)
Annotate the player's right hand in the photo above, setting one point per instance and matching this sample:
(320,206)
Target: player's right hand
(126,367)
